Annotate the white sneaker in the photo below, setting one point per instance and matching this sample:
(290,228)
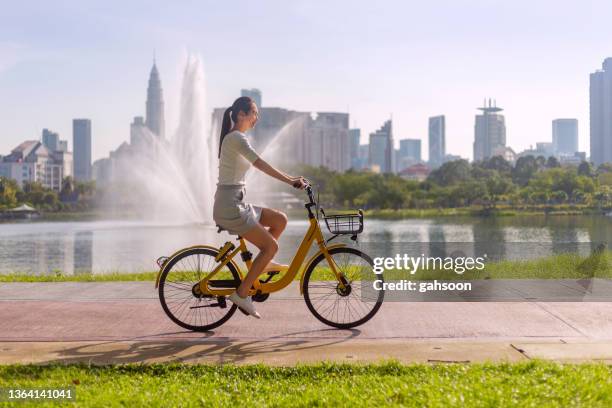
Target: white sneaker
(245,304)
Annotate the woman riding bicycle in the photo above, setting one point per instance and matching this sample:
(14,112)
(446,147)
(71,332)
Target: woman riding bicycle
(231,212)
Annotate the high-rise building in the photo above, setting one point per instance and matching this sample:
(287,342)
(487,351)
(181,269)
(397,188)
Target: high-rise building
(326,142)
(546,149)
(138,134)
(155,105)
(381,153)
(81,145)
(600,91)
(32,161)
(408,154)
(254,94)
(489,133)
(364,158)
(318,139)
(437,140)
(63,146)
(354,138)
(565,137)
(411,148)
(50,140)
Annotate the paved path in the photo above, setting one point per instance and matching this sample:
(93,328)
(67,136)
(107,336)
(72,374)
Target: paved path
(124,322)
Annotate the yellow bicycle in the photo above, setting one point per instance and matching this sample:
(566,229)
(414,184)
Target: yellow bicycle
(336,282)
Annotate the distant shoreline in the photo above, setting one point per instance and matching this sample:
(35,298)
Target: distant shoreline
(383,214)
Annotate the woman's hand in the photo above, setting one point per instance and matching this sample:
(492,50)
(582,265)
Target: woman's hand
(299,182)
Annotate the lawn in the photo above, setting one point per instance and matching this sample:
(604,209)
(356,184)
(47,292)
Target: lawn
(529,384)
(562,266)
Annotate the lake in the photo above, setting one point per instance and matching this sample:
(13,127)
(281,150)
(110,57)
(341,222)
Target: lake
(133,246)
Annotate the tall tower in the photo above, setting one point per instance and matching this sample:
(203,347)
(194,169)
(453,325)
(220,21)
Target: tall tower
(381,148)
(600,93)
(489,132)
(155,105)
(81,144)
(437,140)
(565,137)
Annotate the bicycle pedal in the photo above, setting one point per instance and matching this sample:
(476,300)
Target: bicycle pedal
(221,301)
(260,297)
(228,246)
(271,274)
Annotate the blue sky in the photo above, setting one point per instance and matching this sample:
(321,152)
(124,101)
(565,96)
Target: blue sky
(66,59)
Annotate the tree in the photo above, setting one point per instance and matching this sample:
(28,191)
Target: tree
(8,192)
(585,169)
(552,162)
(604,197)
(559,197)
(451,173)
(347,187)
(498,163)
(524,169)
(50,199)
(604,168)
(499,186)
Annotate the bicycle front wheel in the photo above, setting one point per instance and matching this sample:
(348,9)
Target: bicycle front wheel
(179,290)
(339,307)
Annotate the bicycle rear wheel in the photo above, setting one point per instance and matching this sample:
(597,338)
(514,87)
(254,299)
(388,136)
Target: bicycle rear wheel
(179,294)
(342,308)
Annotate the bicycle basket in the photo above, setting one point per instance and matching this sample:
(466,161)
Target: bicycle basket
(340,224)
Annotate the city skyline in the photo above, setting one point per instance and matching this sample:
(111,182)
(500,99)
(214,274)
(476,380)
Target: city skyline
(94,62)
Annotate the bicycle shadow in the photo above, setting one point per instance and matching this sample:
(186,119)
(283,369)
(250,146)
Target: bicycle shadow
(211,350)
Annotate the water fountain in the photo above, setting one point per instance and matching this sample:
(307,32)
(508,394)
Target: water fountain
(175,181)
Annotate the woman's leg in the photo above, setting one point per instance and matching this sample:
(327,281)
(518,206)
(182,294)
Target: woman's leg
(268,246)
(275,220)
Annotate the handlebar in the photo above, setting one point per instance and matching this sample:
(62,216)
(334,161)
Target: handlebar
(310,194)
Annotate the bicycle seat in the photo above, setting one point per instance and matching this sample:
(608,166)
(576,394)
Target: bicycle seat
(221,229)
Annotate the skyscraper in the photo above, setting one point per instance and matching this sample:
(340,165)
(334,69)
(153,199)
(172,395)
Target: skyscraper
(411,148)
(138,134)
(437,140)
(489,133)
(326,142)
(254,94)
(50,140)
(81,144)
(155,105)
(354,138)
(601,113)
(565,137)
(381,149)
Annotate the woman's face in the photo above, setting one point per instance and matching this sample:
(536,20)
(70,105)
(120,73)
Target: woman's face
(253,116)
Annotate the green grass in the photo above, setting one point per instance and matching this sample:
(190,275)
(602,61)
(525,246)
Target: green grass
(562,266)
(530,384)
(84,277)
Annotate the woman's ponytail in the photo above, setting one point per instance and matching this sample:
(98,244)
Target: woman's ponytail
(242,104)
(226,124)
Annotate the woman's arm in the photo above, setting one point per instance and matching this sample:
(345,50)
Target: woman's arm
(243,146)
(264,166)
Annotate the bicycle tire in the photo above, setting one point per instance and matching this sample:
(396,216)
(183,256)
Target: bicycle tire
(308,287)
(168,268)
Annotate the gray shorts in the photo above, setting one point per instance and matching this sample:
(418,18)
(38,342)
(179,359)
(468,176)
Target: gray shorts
(231,212)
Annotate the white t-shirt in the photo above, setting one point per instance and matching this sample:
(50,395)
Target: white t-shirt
(236,158)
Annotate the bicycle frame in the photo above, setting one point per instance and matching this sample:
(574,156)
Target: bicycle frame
(312,234)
